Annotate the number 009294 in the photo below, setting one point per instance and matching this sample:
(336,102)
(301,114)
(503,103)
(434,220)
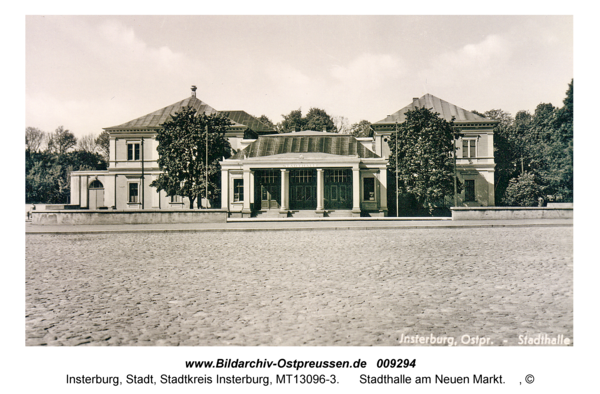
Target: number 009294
(396,363)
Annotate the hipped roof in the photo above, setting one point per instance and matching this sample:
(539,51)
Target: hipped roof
(445,109)
(154,120)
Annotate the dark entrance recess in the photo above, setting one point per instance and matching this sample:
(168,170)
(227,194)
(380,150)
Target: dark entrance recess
(303,189)
(267,189)
(338,189)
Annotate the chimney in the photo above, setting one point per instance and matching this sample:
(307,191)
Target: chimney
(194,90)
(415,102)
(324,129)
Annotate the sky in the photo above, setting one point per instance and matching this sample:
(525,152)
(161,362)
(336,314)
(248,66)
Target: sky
(90,72)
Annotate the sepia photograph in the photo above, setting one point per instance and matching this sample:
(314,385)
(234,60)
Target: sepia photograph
(299,180)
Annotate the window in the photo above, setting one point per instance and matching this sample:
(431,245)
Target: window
(96,185)
(302,176)
(133,151)
(469,190)
(176,200)
(469,149)
(133,193)
(269,177)
(238,190)
(369,189)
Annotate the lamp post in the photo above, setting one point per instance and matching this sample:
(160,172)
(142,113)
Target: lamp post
(454,156)
(206,171)
(397,196)
(142,178)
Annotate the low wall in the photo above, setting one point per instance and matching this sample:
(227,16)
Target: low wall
(128,217)
(507,213)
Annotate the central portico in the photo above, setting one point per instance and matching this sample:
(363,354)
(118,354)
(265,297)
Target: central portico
(306,173)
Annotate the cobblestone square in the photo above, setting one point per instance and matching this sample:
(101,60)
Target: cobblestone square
(345,287)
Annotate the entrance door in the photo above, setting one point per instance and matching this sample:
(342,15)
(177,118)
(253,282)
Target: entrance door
(96,195)
(338,189)
(303,189)
(268,190)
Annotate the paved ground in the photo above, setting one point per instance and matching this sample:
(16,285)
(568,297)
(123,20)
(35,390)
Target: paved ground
(352,287)
(289,225)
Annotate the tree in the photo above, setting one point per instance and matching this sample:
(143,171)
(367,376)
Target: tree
(61,141)
(87,143)
(103,144)
(341,125)
(182,153)
(523,191)
(293,122)
(540,144)
(425,165)
(505,118)
(47,174)
(34,138)
(556,154)
(361,129)
(266,121)
(318,120)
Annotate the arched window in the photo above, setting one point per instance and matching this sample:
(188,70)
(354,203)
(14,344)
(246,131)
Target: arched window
(96,185)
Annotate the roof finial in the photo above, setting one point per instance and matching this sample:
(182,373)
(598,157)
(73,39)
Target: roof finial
(194,90)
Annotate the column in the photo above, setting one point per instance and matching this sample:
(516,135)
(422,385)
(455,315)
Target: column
(109,191)
(75,190)
(83,199)
(489,179)
(320,190)
(155,194)
(112,152)
(246,211)
(225,189)
(383,191)
(355,191)
(285,190)
(252,188)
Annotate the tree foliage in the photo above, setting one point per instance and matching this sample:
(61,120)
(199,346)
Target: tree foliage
(47,174)
(292,122)
(103,144)
(264,119)
(425,166)
(523,191)
(87,143)
(361,129)
(61,140)
(540,144)
(182,154)
(34,139)
(316,119)
(341,124)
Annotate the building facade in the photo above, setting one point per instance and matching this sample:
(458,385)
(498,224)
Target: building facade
(308,173)
(475,149)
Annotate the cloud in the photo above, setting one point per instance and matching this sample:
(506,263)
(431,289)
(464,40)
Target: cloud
(368,71)
(334,88)
(287,76)
(80,116)
(103,71)
(470,63)
(121,42)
